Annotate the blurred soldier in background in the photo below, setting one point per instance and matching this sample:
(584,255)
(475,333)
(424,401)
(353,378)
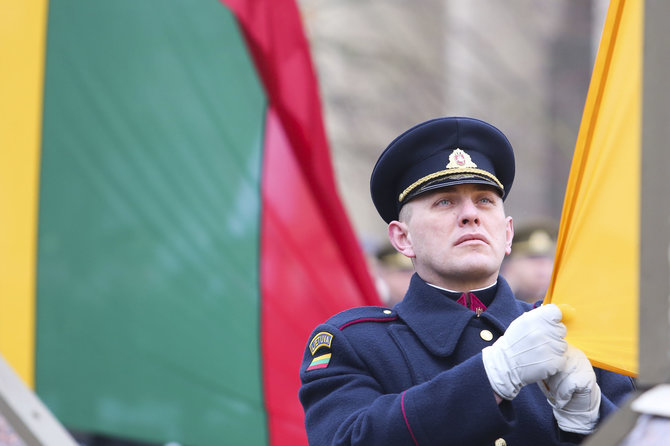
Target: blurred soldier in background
(7,435)
(394,272)
(528,268)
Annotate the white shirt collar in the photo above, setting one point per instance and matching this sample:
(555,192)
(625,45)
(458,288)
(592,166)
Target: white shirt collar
(471,291)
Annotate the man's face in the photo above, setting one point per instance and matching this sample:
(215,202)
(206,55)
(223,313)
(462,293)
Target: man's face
(457,235)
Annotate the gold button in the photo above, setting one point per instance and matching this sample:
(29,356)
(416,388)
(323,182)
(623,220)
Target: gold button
(500,442)
(487,336)
(388,311)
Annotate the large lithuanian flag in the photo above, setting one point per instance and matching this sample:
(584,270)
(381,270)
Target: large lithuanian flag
(170,227)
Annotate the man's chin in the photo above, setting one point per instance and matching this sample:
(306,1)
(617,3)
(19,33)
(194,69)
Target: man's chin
(477,269)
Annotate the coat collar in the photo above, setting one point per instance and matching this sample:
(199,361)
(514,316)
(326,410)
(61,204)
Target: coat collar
(439,321)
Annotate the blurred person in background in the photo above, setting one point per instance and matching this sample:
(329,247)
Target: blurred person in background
(8,436)
(529,267)
(395,271)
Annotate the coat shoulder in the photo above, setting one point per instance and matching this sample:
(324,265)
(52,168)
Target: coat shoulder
(362,315)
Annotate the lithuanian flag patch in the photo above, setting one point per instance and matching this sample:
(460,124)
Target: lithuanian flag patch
(320,362)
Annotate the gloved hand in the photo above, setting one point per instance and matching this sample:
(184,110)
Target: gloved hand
(530,350)
(574,393)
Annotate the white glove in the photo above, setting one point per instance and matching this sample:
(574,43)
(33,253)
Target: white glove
(530,350)
(574,394)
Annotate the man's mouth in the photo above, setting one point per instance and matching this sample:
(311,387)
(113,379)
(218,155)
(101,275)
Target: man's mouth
(469,239)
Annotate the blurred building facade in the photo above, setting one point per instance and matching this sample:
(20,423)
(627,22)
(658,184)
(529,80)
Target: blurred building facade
(384,65)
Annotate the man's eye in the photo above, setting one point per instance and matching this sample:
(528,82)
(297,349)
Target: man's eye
(443,202)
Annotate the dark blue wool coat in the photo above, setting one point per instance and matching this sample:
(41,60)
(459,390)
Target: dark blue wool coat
(414,376)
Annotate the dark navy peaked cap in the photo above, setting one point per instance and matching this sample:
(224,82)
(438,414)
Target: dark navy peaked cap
(439,153)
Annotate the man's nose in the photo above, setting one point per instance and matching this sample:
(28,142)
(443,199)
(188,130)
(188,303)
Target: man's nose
(469,213)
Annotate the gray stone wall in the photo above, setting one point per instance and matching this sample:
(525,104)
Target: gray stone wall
(384,65)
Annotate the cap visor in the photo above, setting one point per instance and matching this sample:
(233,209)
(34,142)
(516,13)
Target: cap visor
(446,182)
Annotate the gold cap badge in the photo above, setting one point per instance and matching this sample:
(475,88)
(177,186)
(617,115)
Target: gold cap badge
(460,163)
(459,160)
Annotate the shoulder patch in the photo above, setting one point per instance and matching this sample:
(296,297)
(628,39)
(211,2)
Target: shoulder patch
(362,314)
(321,339)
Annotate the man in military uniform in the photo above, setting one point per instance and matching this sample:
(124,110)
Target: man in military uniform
(459,361)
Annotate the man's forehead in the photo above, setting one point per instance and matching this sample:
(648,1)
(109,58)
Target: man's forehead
(462,188)
(447,192)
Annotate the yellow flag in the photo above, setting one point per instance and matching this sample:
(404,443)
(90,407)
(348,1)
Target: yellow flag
(22,34)
(597,260)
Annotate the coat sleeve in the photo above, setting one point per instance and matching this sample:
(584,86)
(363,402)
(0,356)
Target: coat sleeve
(346,405)
(615,389)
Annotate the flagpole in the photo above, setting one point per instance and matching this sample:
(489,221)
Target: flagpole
(655,200)
(26,413)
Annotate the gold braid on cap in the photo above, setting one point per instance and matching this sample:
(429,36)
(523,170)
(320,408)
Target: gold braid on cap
(449,172)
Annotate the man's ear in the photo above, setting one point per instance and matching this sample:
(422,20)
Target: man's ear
(509,235)
(400,238)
